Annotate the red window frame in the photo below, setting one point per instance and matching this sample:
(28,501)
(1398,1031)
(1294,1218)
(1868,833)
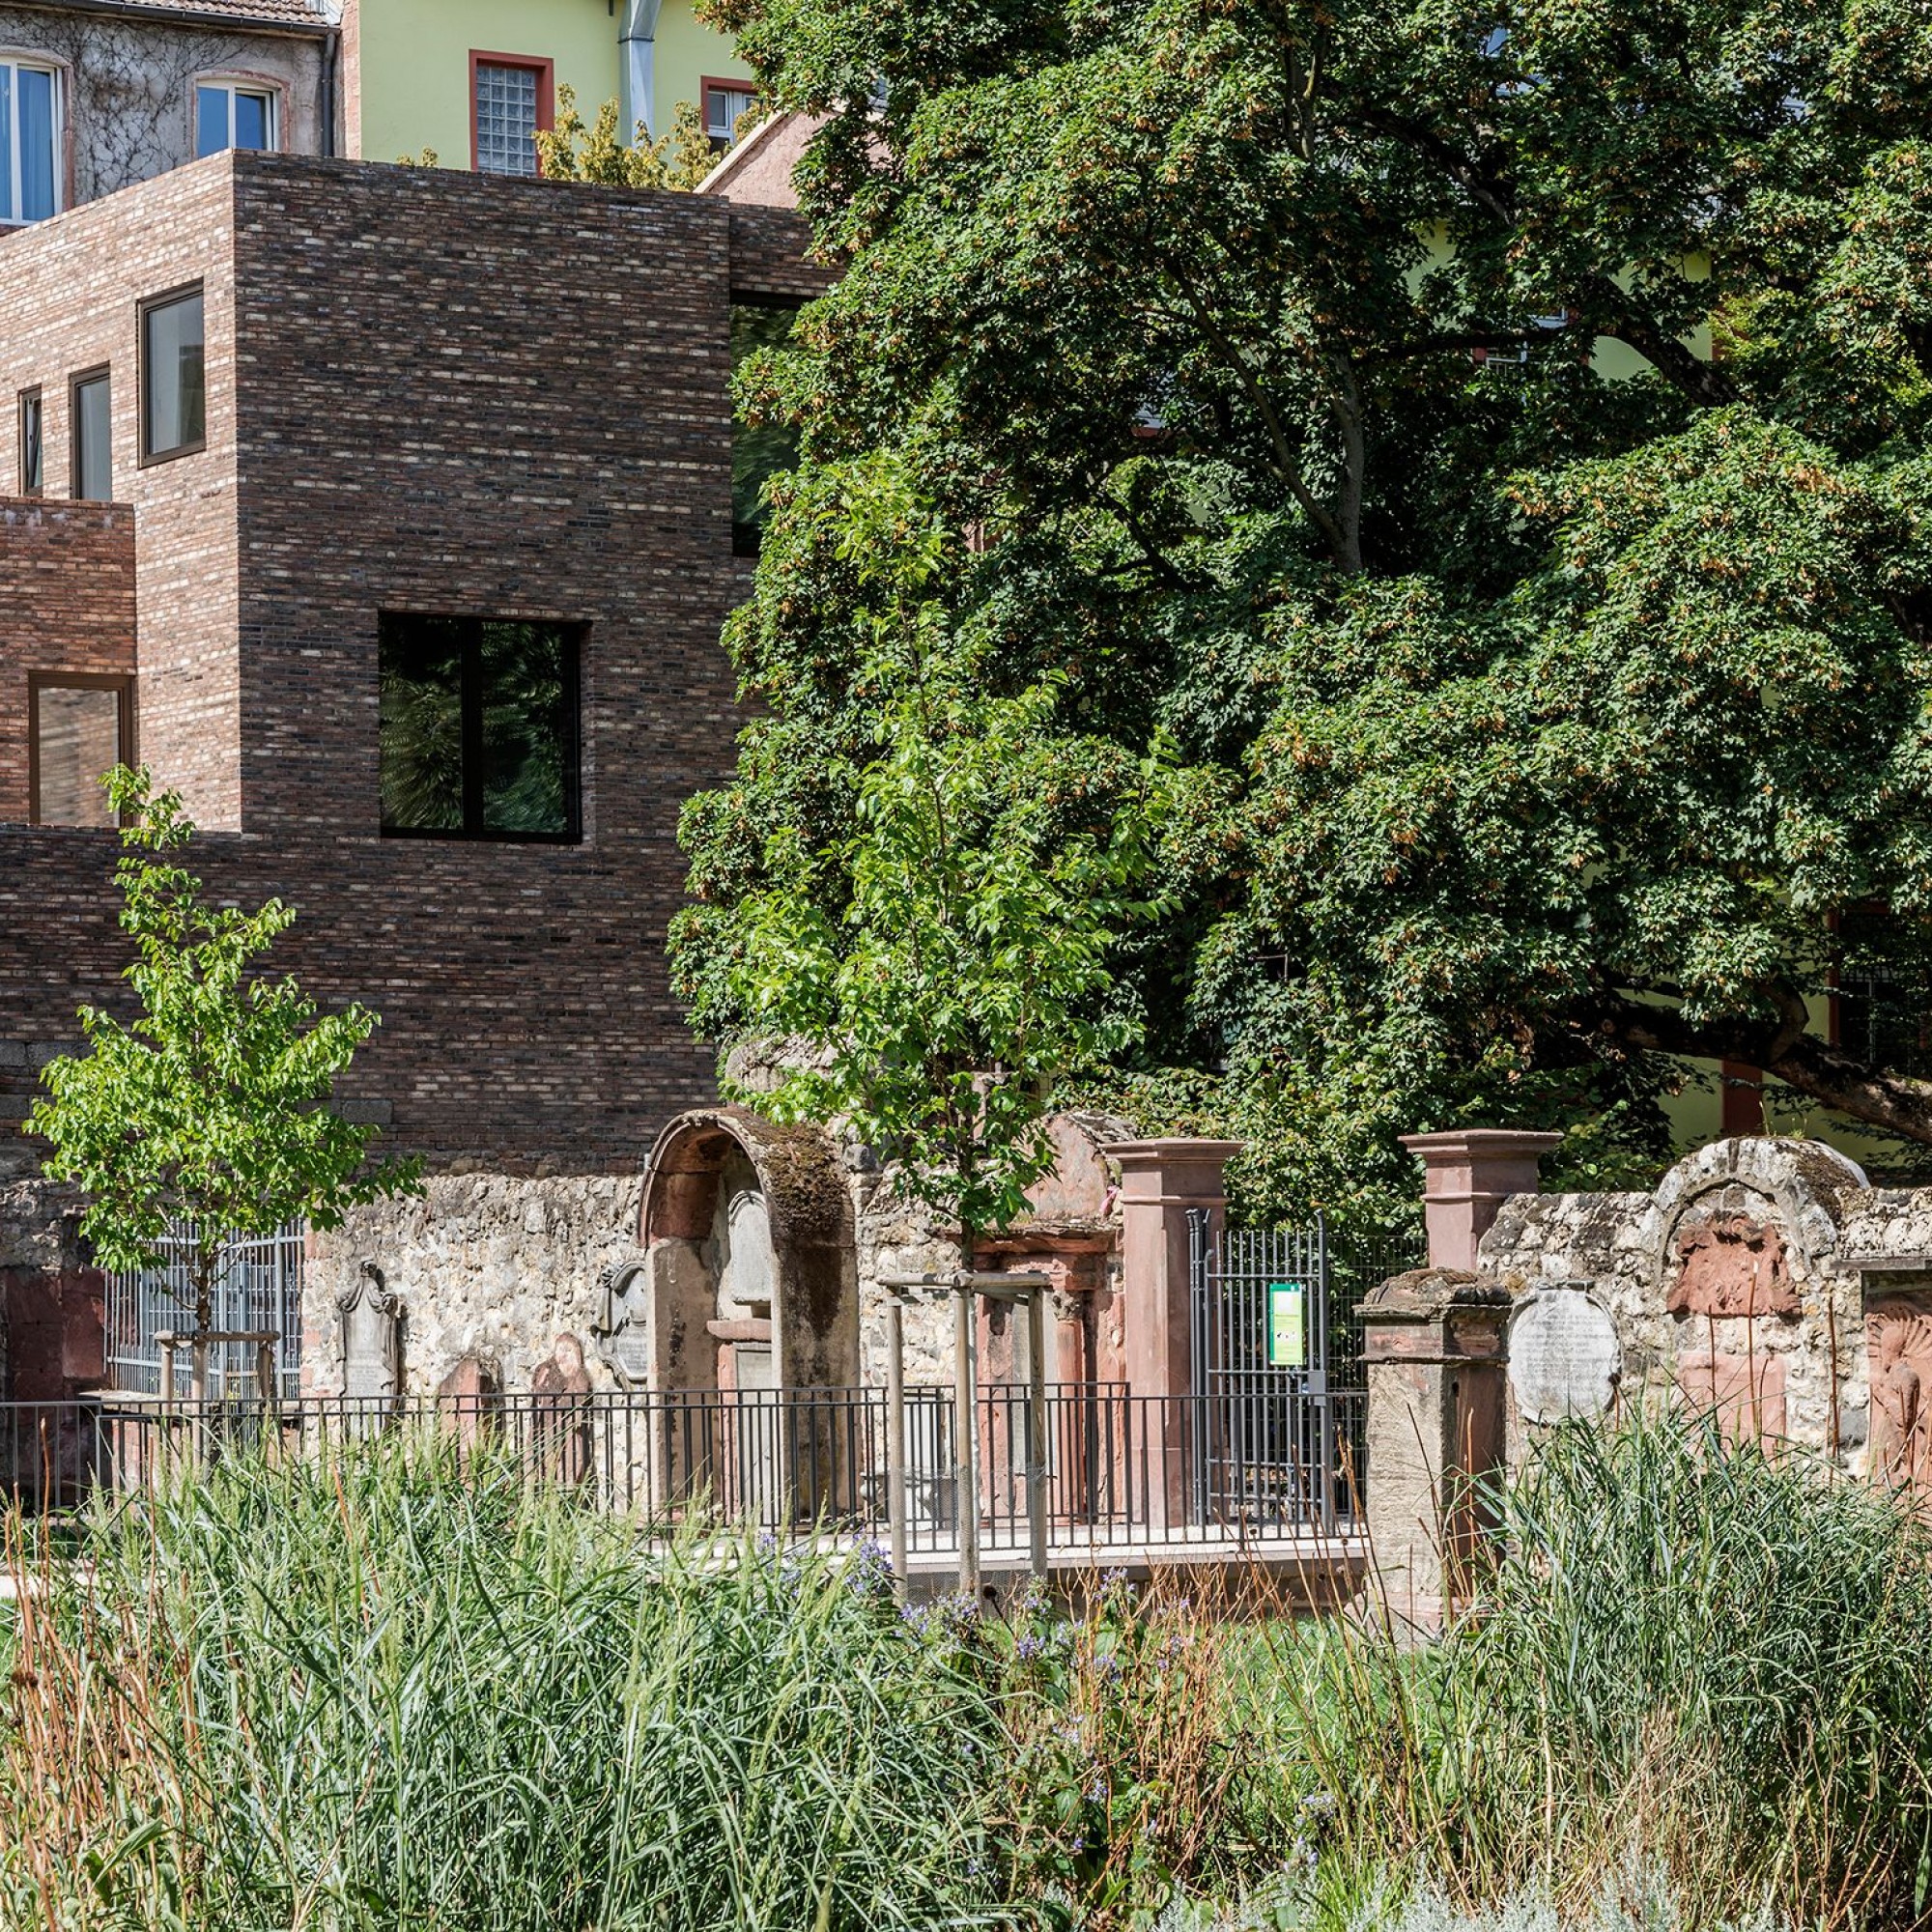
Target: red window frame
(545,73)
(723,84)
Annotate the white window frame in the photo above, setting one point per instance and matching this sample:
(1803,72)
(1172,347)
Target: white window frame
(715,86)
(34,62)
(267,91)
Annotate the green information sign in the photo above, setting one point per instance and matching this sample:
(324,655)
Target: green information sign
(1288,1346)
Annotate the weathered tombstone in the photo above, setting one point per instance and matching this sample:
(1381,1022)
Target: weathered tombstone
(1564,1359)
(469,1397)
(372,1340)
(1898,1340)
(560,1406)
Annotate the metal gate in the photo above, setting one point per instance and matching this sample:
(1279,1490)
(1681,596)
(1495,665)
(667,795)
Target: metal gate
(1266,1448)
(258,1289)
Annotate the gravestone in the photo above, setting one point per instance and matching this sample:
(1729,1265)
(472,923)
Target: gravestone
(1564,1358)
(560,1413)
(372,1338)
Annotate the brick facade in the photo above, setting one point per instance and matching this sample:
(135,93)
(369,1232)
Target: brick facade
(430,393)
(67,603)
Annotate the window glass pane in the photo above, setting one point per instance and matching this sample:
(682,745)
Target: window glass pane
(757,452)
(93,441)
(7,197)
(36,106)
(77,741)
(527,730)
(173,408)
(251,121)
(210,121)
(506,120)
(420,668)
(722,107)
(32,462)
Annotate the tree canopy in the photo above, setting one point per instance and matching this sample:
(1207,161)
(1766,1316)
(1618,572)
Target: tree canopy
(1486,444)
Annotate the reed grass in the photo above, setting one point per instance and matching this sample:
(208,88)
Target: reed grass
(1705,1663)
(379,1696)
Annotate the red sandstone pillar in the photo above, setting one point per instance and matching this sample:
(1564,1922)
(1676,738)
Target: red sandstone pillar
(1466,1177)
(1162,1184)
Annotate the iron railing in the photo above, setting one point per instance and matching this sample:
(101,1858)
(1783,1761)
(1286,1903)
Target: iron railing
(258,1288)
(1122,1468)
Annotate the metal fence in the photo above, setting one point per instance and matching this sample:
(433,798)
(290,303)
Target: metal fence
(1123,1469)
(258,1289)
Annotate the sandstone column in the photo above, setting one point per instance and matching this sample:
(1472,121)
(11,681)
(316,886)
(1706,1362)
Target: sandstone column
(1163,1186)
(1466,1177)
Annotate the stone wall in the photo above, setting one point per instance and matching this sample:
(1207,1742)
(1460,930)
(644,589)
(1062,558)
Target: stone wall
(1746,1285)
(486,1265)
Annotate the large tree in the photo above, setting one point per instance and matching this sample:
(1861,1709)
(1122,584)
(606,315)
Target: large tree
(1487,443)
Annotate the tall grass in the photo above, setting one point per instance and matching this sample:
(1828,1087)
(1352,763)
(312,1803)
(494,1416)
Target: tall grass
(379,1697)
(1707,1663)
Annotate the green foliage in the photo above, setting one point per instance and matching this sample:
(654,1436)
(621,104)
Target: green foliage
(1328,390)
(376,1692)
(1708,1663)
(209,1109)
(574,152)
(937,969)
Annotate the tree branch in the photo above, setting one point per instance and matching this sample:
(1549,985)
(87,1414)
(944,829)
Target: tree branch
(1785,1050)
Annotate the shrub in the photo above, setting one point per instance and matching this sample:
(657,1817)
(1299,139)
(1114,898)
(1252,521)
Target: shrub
(1703,1662)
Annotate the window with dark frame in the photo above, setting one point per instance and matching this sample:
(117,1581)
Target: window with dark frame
(478,725)
(91,412)
(759,451)
(174,384)
(79,729)
(33,443)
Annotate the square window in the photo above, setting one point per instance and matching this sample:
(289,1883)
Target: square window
(79,733)
(91,407)
(511,104)
(30,142)
(33,445)
(174,389)
(227,115)
(725,101)
(478,729)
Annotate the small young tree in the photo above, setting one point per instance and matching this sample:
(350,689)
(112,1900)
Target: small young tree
(577,151)
(207,1115)
(938,970)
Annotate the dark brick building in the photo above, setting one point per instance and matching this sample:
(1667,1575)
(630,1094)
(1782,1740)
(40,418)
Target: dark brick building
(384,425)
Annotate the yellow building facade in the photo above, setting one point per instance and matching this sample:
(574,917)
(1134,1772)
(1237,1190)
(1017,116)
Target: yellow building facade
(472,80)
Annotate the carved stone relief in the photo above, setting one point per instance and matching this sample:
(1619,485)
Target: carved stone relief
(1732,1264)
(1898,1337)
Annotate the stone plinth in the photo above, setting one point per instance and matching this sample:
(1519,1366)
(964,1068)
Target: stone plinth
(1165,1188)
(1433,1344)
